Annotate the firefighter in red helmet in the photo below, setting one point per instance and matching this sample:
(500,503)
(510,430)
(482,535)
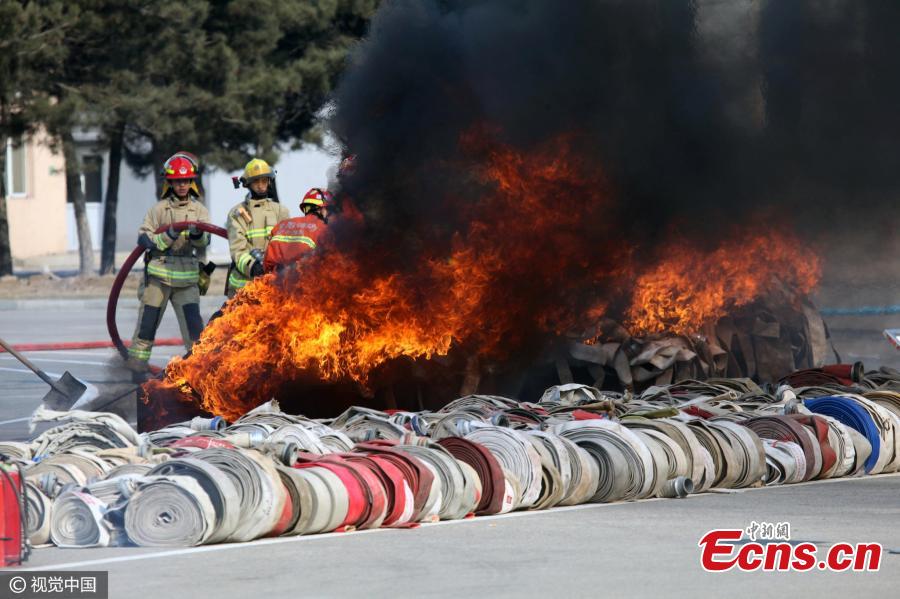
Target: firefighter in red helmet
(295,237)
(171,271)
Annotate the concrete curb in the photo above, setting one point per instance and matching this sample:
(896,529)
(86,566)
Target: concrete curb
(211,302)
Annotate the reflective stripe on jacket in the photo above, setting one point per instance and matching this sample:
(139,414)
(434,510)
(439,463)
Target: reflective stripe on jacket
(175,262)
(291,239)
(250,225)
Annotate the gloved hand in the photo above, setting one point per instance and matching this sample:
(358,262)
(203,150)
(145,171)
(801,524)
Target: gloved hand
(172,233)
(194,232)
(145,242)
(257,254)
(257,269)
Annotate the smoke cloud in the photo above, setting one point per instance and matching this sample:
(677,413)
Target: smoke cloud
(700,114)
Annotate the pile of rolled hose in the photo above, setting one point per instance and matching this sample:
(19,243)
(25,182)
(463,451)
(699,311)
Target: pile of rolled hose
(92,481)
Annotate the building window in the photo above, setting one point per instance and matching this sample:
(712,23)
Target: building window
(92,178)
(15,168)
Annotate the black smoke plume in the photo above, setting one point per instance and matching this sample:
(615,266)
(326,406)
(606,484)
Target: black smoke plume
(701,113)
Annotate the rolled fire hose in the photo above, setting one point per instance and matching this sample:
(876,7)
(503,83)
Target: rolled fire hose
(330,497)
(369,427)
(660,470)
(420,478)
(303,437)
(77,521)
(559,455)
(552,488)
(39,511)
(675,456)
(854,415)
(359,496)
(125,269)
(169,511)
(373,486)
(16,449)
(455,424)
(495,498)
(217,486)
(819,428)
(785,462)
(450,479)
(258,485)
(626,464)
(716,446)
(748,448)
(400,504)
(517,455)
(585,474)
(840,439)
(785,428)
(685,438)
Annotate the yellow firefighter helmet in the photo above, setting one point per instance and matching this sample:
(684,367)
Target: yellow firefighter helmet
(257,169)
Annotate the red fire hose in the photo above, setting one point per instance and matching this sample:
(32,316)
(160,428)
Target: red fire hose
(126,268)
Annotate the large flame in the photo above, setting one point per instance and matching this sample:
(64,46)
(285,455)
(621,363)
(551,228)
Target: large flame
(332,318)
(688,289)
(520,269)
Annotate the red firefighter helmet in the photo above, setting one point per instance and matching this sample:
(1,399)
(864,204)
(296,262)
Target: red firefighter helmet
(179,166)
(315,197)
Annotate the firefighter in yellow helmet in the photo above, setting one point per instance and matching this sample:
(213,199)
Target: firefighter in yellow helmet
(171,271)
(250,224)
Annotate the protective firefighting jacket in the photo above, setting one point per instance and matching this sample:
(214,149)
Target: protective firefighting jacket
(291,239)
(175,261)
(250,225)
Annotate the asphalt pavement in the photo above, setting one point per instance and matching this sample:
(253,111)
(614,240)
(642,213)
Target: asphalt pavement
(640,549)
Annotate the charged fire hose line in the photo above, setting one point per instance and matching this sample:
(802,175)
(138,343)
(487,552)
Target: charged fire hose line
(129,263)
(169,511)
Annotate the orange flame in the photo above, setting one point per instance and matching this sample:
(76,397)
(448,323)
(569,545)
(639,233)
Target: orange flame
(688,290)
(520,268)
(332,318)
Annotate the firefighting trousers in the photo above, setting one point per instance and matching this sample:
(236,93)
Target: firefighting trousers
(154,296)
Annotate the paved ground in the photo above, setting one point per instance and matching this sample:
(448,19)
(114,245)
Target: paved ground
(642,549)
(637,549)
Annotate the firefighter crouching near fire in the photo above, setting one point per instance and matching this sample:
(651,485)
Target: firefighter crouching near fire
(295,237)
(250,224)
(172,267)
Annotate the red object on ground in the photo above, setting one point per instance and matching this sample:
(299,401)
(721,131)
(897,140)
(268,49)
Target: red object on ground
(10,518)
(201,442)
(70,345)
(585,415)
